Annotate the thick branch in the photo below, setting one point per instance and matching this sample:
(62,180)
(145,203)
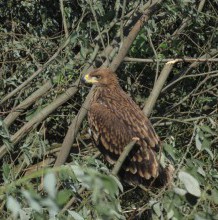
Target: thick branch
(132,35)
(26,103)
(41,116)
(72,131)
(158,87)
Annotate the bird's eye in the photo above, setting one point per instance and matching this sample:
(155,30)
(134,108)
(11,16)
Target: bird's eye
(98,77)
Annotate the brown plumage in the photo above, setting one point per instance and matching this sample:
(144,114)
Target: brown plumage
(115,119)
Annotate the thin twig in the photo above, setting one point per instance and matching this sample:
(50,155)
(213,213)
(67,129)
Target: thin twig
(187,76)
(155,53)
(179,120)
(193,91)
(64,19)
(187,150)
(189,60)
(47,110)
(122,20)
(99,31)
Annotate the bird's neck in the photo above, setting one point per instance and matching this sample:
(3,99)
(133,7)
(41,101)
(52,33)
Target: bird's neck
(106,91)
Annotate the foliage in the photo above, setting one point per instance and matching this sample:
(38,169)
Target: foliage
(101,200)
(185,114)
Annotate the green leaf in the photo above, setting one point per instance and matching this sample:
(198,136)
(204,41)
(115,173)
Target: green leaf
(63,196)
(6,171)
(215,196)
(117,182)
(32,202)
(191,184)
(198,142)
(13,206)
(209,152)
(206,143)
(163,45)
(170,150)
(50,184)
(157,209)
(201,171)
(75,215)
(79,173)
(207,129)
(200,216)
(180,191)
(170,214)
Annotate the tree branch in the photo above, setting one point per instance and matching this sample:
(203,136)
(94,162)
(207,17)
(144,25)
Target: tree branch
(72,131)
(40,117)
(64,19)
(189,60)
(27,102)
(132,35)
(149,105)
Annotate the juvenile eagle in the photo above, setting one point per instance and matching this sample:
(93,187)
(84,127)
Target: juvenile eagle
(114,119)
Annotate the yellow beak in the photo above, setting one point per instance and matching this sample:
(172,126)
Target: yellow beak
(88,79)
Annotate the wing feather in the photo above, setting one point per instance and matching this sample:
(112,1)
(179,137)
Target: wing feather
(115,133)
(126,110)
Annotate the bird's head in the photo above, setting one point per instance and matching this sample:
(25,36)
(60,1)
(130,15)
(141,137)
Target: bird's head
(101,77)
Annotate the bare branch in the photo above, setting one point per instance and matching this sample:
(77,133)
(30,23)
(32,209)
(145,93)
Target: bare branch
(71,133)
(64,19)
(149,105)
(189,60)
(122,20)
(40,116)
(47,110)
(27,102)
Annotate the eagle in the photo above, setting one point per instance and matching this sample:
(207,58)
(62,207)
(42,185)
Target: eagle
(115,120)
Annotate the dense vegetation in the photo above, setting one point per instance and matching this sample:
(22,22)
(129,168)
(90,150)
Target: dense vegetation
(46,46)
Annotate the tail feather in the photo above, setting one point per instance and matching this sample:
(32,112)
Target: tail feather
(164,177)
(143,167)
